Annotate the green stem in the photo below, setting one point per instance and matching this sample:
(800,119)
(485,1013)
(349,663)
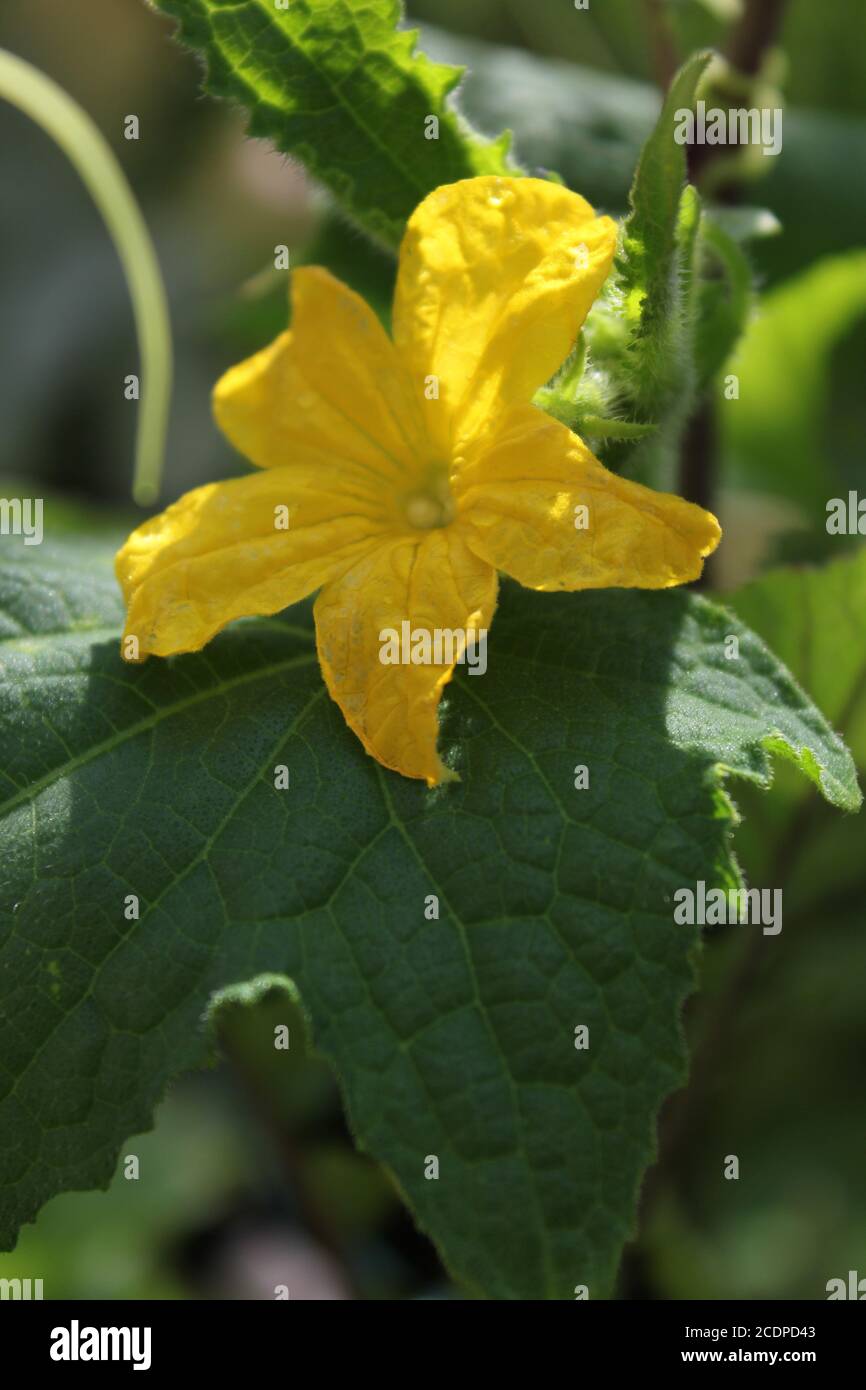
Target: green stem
(77,135)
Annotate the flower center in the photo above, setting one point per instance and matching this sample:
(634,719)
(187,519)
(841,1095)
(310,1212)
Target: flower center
(431,505)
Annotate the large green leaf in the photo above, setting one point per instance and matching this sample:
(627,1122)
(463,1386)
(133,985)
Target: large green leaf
(336,84)
(816,619)
(452,1037)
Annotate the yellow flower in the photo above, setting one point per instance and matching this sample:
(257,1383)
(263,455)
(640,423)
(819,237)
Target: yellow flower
(411,471)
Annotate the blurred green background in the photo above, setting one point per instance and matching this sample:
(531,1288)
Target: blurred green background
(249,1172)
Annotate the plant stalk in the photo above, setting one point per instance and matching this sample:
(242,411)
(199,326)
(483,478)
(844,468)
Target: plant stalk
(81,140)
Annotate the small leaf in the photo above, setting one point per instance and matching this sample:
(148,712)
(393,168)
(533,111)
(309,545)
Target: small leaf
(649,262)
(154,788)
(652,291)
(775,435)
(335,83)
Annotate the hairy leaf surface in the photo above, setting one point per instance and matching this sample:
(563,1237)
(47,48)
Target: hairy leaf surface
(336,84)
(452,1037)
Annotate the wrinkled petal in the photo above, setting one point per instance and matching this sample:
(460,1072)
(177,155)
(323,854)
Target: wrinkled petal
(433,582)
(219,553)
(516,509)
(331,387)
(496,277)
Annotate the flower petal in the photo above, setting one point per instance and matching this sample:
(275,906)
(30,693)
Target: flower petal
(218,554)
(496,277)
(332,386)
(433,582)
(516,509)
